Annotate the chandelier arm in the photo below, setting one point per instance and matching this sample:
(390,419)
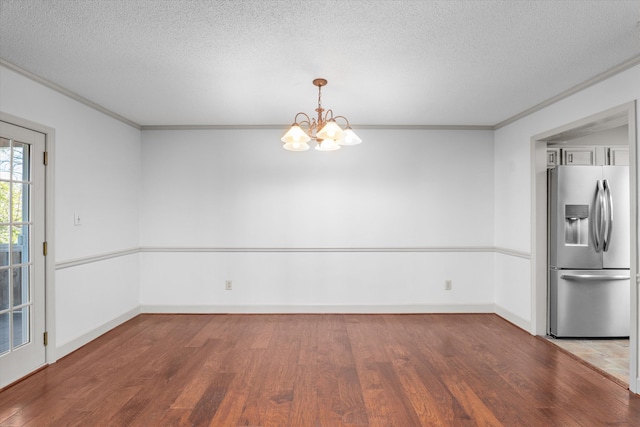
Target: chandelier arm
(345,119)
(308,121)
(328,115)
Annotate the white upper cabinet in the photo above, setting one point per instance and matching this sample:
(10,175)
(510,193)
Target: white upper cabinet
(579,156)
(553,157)
(618,156)
(594,155)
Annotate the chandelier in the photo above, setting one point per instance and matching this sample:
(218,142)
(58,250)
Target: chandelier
(328,134)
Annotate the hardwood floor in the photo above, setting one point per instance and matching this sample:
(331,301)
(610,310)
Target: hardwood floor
(318,370)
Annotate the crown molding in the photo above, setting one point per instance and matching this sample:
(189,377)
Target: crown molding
(575,89)
(212,127)
(426,127)
(66,92)
(632,62)
(285,126)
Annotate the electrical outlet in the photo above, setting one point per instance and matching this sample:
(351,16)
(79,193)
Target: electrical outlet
(448,285)
(228,285)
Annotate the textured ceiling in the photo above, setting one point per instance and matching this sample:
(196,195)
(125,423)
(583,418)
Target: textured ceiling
(209,62)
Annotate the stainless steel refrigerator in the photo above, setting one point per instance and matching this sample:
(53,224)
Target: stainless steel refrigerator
(589,251)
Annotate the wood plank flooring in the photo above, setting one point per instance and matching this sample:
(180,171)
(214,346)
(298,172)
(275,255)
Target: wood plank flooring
(318,370)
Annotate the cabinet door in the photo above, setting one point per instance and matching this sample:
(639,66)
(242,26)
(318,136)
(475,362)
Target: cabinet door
(578,156)
(553,157)
(619,156)
(602,156)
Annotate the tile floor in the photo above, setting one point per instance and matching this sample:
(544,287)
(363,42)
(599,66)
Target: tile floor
(608,355)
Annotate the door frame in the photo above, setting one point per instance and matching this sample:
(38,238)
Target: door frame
(49,228)
(617,116)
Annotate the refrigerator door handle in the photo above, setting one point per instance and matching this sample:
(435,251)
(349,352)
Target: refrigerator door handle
(609,218)
(591,277)
(598,218)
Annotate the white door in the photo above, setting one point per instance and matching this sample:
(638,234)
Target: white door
(22,265)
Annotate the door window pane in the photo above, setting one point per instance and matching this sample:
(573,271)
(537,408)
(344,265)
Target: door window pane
(4,333)
(20,167)
(21,326)
(4,245)
(20,247)
(20,202)
(5,198)
(5,158)
(21,293)
(4,289)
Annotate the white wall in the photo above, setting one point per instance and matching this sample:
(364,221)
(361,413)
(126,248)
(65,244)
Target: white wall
(96,163)
(359,229)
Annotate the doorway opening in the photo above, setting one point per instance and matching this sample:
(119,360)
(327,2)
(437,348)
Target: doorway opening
(614,124)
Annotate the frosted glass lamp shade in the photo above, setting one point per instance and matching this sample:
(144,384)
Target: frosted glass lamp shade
(330,130)
(327,145)
(296,134)
(349,138)
(296,146)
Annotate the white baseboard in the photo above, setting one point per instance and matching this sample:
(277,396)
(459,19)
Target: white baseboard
(513,318)
(293,309)
(75,344)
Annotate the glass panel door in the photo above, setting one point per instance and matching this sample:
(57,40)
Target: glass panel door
(21,269)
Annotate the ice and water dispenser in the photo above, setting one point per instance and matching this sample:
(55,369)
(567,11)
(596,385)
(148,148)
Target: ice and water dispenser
(576,225)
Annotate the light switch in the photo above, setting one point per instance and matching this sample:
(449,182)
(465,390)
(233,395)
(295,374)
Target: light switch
(77,219)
